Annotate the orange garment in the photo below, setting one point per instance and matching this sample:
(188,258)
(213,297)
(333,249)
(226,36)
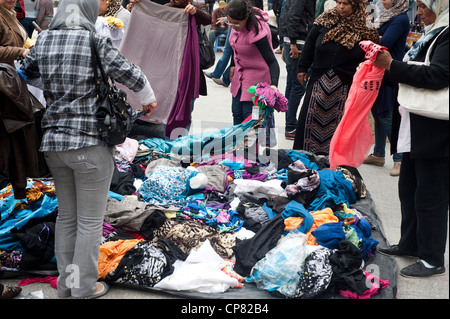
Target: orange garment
(111,254)
(323,216)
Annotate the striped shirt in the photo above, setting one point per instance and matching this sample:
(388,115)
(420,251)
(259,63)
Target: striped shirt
(63,59)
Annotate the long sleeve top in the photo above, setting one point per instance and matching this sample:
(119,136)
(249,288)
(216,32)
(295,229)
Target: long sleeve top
(330,55)
(429,137)
(63,59)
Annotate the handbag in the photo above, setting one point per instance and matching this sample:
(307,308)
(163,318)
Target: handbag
(207,55)
(425,102)
(114,114)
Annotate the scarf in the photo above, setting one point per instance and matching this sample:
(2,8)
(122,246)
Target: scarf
(75,14)
(350,30)
(441,9)
(398,7)
(113,7)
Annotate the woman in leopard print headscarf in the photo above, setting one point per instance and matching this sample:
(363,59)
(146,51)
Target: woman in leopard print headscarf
(332,52)
(114,8)
(347,29)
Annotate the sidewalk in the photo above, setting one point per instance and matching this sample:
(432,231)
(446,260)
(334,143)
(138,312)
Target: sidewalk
(214,112)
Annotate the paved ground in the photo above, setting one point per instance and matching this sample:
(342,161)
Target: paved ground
(213,112)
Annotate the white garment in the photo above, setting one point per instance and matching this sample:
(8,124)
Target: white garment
(103,30)
(124,15)
(30,8)
(270,188)
(201,272)
(404,135)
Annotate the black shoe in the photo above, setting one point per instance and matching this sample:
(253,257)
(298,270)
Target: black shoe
(394,250)
(208,74)
(419,270)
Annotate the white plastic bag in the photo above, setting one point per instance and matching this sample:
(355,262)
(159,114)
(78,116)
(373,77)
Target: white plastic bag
(281,268)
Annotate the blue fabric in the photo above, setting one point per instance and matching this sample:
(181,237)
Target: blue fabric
(270,213)
(329,234)
(295,155)
(167,186)
(201,144)
(334,189)
(18,218)
(197,209)
(296,209)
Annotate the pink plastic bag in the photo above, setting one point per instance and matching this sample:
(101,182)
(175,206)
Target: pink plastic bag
(353,139)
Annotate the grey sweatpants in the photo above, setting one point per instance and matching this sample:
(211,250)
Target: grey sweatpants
(82,180)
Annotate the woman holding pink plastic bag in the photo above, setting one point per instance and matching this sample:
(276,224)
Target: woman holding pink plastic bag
(424,174)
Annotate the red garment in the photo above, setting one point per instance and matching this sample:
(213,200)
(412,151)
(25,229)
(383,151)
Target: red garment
(21,15)
(49,279)
(374,284)
(353,139)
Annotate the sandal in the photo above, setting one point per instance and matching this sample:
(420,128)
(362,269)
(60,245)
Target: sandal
(101,292)
(10,292)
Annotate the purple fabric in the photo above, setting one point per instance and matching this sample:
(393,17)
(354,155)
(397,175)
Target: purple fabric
(149,50)
(271,97)
(188,82)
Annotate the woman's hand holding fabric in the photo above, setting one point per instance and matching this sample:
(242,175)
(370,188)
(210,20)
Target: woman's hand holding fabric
(149,108)
(383,60)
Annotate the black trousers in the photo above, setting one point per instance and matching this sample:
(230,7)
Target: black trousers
(424,198)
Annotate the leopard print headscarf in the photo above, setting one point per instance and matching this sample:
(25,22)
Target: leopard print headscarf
(113,7)
(350,30)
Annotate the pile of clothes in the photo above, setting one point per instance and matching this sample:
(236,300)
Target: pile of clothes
(283,223)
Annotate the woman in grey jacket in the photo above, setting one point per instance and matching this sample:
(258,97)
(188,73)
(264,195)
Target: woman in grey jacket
(424,174)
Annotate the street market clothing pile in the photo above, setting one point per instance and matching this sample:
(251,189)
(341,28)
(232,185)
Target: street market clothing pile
(238,225)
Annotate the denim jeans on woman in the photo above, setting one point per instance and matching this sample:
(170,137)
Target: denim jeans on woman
(82,181)
(294,89)
(382,130)
(221,66)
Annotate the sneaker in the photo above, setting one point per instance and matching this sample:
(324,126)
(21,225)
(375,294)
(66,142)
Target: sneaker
(208,74)
(418,270)
(219,82)
(374,160)
(394,250)
(395,171)
(289,135)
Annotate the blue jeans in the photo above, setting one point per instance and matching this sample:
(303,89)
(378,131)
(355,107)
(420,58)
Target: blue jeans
(221,68)
(294,89)
(27,23)
(82,181)
(383,123)
(240,109)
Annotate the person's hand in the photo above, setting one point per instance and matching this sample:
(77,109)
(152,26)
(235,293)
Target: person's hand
(302,77)
(25,52)
(131,4)
(149,108)
(274,87)
(295,52)
(190,9)
(383,60)
(231,73)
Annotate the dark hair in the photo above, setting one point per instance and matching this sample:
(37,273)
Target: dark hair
(240,9)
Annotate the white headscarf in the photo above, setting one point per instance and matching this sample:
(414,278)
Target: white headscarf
(76,14)
(440,8)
